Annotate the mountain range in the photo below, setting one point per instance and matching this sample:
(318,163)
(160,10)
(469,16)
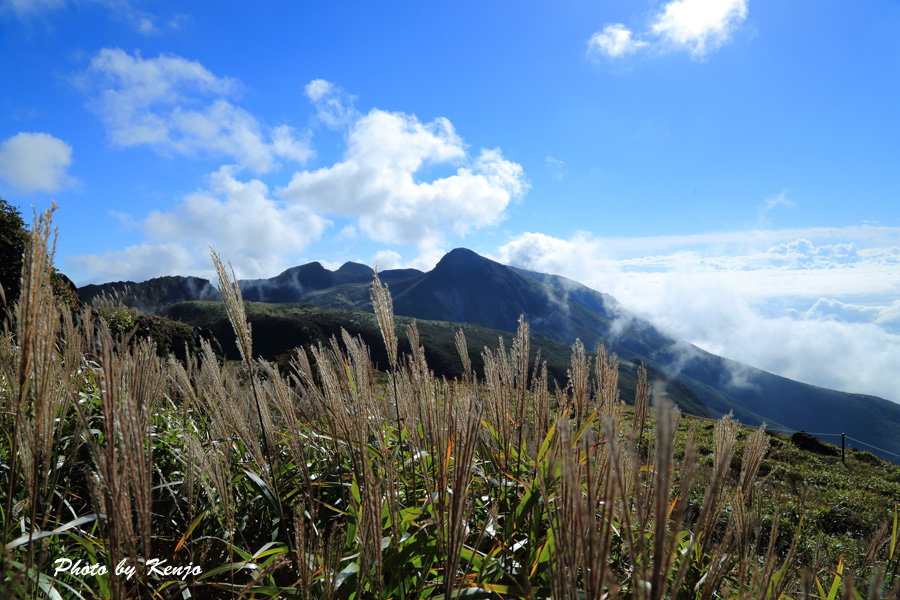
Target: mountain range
(467,288)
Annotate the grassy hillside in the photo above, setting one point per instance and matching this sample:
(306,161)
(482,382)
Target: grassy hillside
(280,328)
(332,481)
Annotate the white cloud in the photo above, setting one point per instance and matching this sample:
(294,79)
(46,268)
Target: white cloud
(423,261)
(387,259)
(177,106)
(376,182)
(334,106)
(699,26)
(727,294)
(36,162)
(828,308)
(241,222)
(803,253)
(887,316)
(259,235)
(614,41)
(136,263)
(401,181)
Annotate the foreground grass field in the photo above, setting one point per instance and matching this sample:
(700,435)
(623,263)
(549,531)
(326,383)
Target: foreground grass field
(126,475)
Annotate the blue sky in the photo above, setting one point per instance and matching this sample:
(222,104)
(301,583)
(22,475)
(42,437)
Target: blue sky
(726,168)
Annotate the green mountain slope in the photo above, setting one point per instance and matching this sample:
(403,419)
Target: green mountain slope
(467,288)
(280,328)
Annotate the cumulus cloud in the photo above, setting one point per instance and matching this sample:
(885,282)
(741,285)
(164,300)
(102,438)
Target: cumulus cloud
(828,308)
(258,234)
(887,316)
(614,41)
(400,181)
(737,301)
(36,162)
(699,26)
(696,26)
(377,182)
(177,106)
(806,254)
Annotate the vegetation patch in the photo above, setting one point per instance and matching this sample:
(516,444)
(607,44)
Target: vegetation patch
(125,475)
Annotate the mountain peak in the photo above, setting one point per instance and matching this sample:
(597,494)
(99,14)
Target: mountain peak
(461,253)
(352,272)
(462,258)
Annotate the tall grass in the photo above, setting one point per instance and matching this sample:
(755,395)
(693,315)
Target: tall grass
(346,479)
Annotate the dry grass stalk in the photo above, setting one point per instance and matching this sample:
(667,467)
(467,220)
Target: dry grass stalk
(317,554)
(453,499)
(384,312)
(33,400)
(579,384)
(564,511)
(110,483)
(463,349)
(641,404)
(663,537)
(606,370)
(34,384)
(540,408)
(520,355)
(212,462)
(278,391)
(352,417)
(234,307)
(754,453)
(231,411)
(506,383)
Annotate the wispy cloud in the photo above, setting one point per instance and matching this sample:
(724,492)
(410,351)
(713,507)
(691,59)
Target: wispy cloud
(615,41)
(141,20)
(334,106)
(770,204)
(695,26)
(555,167)
(25,9)
(177,106)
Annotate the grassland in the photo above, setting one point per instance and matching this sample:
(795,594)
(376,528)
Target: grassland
(334,480)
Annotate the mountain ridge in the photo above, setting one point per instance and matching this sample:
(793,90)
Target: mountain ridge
(465,287)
